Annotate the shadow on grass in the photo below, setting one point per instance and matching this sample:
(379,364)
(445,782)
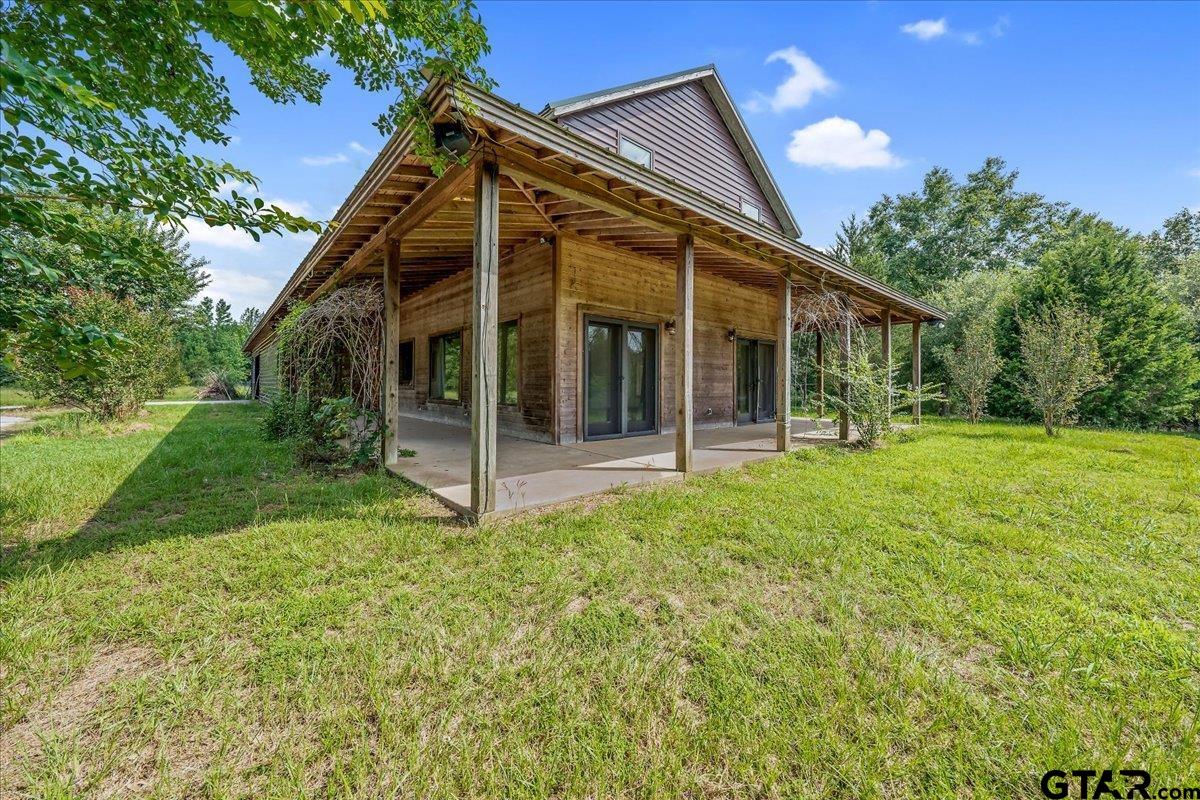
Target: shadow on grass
(210,474)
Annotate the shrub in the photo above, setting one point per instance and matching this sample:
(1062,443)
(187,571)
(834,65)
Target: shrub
(333,432)
(973,365)
(139,367)
(869,406)
(1060,362)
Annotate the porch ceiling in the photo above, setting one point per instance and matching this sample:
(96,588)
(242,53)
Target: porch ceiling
(545,191)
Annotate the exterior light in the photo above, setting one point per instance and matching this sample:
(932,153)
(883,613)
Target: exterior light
(670,326)
(450,137)
(731,335)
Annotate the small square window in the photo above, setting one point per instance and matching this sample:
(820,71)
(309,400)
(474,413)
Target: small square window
(636,153)
(404,364)
(752,211)
(445,366)
(510,370)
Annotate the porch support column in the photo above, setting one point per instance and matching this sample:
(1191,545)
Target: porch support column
(843,384)
(885,337)
(783,368)
(485,282)
(916,373)
(820,375)
(685,278)
(391,352)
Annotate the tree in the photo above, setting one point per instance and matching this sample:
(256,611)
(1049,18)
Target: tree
(141,367)
(210,341)
(973,365)
(949,229)
(103,99)
(1060,362)
(852,246)
(1179,238)
(1144,336)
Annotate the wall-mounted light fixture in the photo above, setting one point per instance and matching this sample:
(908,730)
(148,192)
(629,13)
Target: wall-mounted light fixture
(731,335)
(670,326)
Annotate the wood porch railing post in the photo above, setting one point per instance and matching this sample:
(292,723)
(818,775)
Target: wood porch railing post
(783,367)
(916,371)
(843,384)
(685,260)
(885,337)
(820,375)
(391,352)
(485,282)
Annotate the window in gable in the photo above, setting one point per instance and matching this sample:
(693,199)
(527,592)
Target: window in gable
(636,153)
(752,211)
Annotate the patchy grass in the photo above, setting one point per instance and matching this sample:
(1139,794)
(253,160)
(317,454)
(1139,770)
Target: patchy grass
(20,396)
(185,613)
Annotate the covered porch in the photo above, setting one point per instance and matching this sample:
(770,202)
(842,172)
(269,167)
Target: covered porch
(532,475)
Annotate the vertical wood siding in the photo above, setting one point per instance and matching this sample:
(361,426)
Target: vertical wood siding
(268,371)
(690,141)
(607,281)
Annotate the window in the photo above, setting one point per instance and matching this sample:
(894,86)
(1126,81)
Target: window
(752,211)
(636,153)
(445,366)
(404,364)
(509,357)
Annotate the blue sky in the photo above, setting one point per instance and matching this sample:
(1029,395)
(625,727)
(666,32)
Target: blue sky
(1095,104)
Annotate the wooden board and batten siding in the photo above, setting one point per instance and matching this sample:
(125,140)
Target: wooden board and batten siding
(596,279)
(268,369)
(690,141)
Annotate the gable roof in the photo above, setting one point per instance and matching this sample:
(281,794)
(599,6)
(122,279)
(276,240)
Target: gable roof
(708,77)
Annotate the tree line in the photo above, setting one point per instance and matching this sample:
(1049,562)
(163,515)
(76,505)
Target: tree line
(998,260)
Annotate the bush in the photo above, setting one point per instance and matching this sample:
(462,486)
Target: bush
(869,406)
(1060,362)
(333,432)
(138,367)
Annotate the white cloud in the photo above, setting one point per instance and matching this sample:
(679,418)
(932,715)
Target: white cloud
(361,150)
(837,144)
(324,161)
(1000,26)
(1195,173)
(225,237)
(240,289)
(927,29)
(807,79)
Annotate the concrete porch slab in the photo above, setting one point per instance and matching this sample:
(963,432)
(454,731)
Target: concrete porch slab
(533,474)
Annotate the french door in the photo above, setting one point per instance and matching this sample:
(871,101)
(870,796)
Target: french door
(621,378)
(754,371)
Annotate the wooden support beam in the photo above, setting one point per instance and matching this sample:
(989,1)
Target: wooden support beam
(485,283)
(885,341)
(391,352)
(783,367)
(916,372)
(843,384)
(820,375)
(685,290)
(484,317)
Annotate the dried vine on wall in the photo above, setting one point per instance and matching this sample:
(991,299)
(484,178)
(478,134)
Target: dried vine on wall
(331,347)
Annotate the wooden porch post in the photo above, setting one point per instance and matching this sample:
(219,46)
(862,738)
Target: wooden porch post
(843,384)
(820,375)
(783,368)
(885,336)
(916,373)
(391,352)
(485,282)
(685,258)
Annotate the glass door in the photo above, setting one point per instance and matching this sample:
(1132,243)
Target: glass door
(754,378)
(621,376)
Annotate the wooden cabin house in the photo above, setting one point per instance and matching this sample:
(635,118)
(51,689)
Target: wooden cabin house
(620,265)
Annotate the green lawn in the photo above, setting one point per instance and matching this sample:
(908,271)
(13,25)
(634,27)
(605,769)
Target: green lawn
(184,612)
(19,396)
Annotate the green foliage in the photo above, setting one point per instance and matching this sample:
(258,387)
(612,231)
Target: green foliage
(141,367)
(869,403)
(949,229)
(1060,362)
(288,416)
(332,432)
(973,365)
(102,99)
(210,340)
(1144,337)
